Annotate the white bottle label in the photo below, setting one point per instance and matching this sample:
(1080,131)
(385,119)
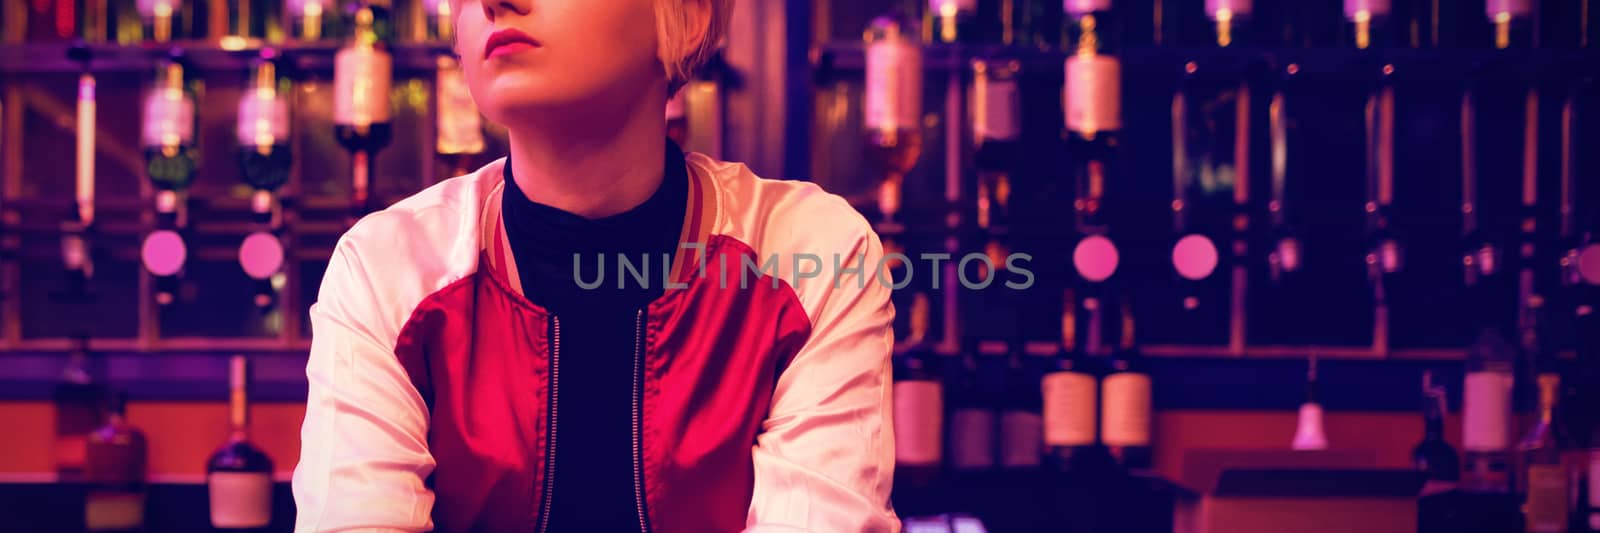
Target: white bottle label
(113,510)
(1233,7)
(918,410)
(168,118)
(1514,8)
(1485,410)
(996,106)
(460,127)
(1125,410)
(1375,8)
(1069,408)
(263,119)
(894,85)
(240,499)
(361,78)
(1092,94)
(1079,7)
(972,438)
(1021,438)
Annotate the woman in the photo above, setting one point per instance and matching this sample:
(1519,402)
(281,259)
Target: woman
(464,376)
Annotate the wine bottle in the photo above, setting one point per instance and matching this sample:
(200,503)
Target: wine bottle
(264,160)
(160,18)
(996,131)
(893,113)
(1545,499)
(955,18)
(1231,18)
(171,159)
(1125,400)
(1070,389)
(1194,253)
(1021,421)
(1091,104)
(239,475)
(1385,255)
(1512,22)
(80,408)
(1308,433)
(1367,21)
(918,405)
(307,19)
(972,415)
(1486,415)
(363,72)
(76,251)
(1434,456)
(460,127)
(1037,24)
(117,454)
(1287,255)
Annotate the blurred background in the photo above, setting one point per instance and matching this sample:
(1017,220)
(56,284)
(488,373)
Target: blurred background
(1292,265)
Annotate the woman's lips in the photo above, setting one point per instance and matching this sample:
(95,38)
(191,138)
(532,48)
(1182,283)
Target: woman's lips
(506,42)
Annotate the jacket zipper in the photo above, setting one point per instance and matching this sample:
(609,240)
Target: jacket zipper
(550,435)
(638,419)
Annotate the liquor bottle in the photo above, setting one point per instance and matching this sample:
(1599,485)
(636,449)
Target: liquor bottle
(1486,415)
(117,454)
(239,475)
(1194,253)
(996,131)
(363,71)
(76,251)
(1434,456)
(160,18)
(80,408)
(893,113)
(1385,256)
(171,158)
(972,414)
(1308,433)
(1582,407)
(308,20)
(918,405)
(1125,401)
(1544,477)
(1368,20)
(1287,255)
(1231,19)
(1070,389)
(459,125)
(677,117)
(1512,22)
(1021,421)
(264,160)
(955,18)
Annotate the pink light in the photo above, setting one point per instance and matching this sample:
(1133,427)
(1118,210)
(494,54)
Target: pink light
(261,255)
(1589,264)
(163,253)
(1195,257)
(1095,258)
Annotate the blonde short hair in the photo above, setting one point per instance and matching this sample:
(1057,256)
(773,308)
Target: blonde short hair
(685,42)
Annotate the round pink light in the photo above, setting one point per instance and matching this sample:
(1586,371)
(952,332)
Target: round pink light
(1589,264)
(261,255)
(164,253)
(1195,257)
(1095,258)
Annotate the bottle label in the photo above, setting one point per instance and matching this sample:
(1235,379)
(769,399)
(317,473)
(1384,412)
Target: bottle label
(1373,8)
(168,118)
(1485,408)
(460,128)
(1080,7)
(263,120)
(1069,408)
(113,510)
(894,85)
(956,6)
(1546,508)
(972,438)
(918,410)
(1125,410)
(1021,438)
(996,106)
(1092,94)
(240,499)
(1514,8)
(361,78)
(1233,7)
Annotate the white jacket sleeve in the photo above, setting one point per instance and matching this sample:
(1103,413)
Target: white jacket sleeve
(824,461)
(364,454)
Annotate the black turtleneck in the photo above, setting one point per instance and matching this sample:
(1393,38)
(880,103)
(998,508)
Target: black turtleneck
(594,477)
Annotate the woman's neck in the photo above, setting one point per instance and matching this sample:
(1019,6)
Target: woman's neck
(594,164)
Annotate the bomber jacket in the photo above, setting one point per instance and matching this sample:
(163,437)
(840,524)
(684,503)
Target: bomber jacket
(762,375)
